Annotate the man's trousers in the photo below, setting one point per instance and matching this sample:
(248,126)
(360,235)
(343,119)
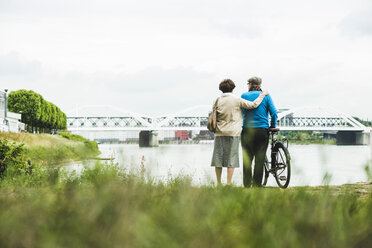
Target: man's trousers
(254,145)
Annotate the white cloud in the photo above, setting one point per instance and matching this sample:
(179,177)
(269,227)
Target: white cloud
(358,23)
(11,65)
(161,56)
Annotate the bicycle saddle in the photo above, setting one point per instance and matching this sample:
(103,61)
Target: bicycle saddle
(274,130)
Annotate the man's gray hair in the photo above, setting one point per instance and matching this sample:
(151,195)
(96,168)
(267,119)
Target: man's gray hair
(255,80)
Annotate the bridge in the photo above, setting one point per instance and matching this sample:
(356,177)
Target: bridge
(111,118)
(102,120)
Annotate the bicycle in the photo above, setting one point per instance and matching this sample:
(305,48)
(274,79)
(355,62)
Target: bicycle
(280,161)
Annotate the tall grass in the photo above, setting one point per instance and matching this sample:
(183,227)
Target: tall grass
(108,207)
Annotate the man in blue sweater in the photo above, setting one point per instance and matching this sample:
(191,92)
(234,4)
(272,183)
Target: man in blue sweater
(255,133)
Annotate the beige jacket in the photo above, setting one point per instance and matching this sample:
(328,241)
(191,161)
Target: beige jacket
(229,113)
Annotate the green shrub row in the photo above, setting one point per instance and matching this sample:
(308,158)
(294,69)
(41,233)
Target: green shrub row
(36,111)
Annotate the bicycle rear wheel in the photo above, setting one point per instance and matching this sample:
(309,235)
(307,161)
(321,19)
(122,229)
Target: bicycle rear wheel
(282,165)
(266,172)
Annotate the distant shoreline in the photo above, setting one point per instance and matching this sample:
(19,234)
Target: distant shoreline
(195,142)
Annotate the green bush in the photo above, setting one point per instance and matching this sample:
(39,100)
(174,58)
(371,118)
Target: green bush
(11,156)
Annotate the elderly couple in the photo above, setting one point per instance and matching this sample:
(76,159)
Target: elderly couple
(251,112)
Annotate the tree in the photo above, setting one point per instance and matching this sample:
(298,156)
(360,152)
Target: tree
(36,111)
(53,116)
(28,103)
(45,114)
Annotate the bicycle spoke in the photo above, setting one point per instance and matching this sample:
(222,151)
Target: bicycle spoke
(279,172)
(281,156)
(281,168)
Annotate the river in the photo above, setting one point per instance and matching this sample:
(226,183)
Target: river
(310,163)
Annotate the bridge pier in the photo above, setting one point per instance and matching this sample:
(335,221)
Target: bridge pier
(352,138)
(148,139)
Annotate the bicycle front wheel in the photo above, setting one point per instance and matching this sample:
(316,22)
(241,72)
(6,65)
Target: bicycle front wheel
(282,165)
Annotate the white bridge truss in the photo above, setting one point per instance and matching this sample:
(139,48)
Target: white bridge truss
(109,118)
(318,119)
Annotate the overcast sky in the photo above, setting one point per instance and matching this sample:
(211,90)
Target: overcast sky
(162,56)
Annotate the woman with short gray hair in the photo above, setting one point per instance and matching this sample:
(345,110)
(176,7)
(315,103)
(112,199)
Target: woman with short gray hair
(229,127)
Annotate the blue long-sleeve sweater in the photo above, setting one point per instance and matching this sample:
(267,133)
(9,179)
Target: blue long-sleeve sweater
(259,117)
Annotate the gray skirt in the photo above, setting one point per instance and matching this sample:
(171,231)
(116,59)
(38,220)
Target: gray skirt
(226,151)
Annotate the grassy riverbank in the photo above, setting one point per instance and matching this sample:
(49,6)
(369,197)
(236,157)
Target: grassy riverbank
(312,142)
(107,207)
(46,149)
(306,138)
